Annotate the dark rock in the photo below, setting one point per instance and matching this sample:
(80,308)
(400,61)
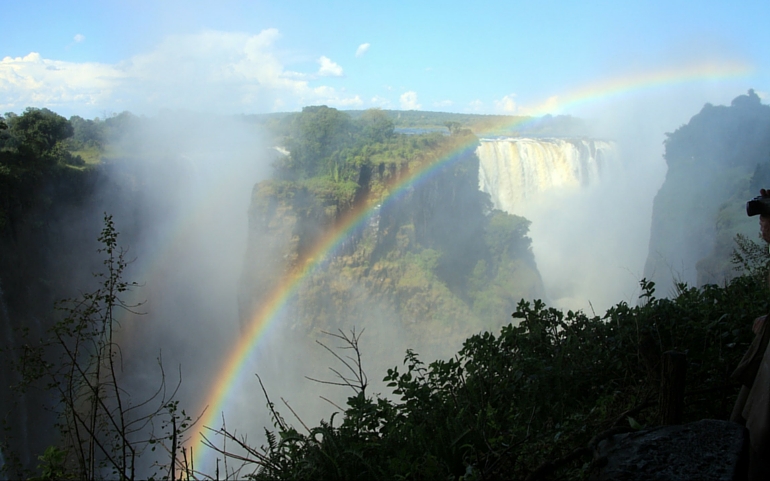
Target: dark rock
(701,451)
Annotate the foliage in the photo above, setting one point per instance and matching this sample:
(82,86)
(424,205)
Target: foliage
(542,388)
(317,132)
(86,133)
(37,131)
(751,258)
(32,152)
(412,261)
(104,429)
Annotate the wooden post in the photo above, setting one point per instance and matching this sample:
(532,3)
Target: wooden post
(672,383)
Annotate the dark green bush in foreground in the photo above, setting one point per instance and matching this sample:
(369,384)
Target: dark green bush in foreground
(506,404)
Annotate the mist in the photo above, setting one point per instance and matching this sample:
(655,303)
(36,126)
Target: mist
(183,221)
(179,187)
(189,232)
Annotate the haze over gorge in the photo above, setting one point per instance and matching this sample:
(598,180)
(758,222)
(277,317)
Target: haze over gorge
(246,255)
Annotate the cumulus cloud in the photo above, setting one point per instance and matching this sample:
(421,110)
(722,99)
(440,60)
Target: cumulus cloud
(34,81)
(409,101)
(79,38)
(507,104)
(362,49)
(218,72)
(329,68)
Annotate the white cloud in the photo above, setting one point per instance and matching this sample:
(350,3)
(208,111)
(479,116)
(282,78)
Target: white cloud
(38,82)
(354,101)
(380,101)
(79,38)
(329,68)
(475,105)
(334,99)
(507,104)
(218,72)
(409,101)
(362,49)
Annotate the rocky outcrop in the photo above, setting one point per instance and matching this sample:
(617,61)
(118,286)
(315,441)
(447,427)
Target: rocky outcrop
(707,450)
(700,206)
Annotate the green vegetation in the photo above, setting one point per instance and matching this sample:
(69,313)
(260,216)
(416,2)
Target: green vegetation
(41,153)
(424,121)
(104,430)
(526,403)
(31,152)
(436,261)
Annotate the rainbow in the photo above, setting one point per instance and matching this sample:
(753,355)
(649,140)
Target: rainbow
(278,298)
(616,87)
(280,295)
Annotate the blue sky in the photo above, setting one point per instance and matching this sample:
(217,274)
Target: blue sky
(97,57)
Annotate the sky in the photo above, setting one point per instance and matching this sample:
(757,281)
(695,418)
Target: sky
(96,58)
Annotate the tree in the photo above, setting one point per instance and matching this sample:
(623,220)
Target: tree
(39,130)
(376,125)
(104,431)
(452,126)
(86,133)
(317,132)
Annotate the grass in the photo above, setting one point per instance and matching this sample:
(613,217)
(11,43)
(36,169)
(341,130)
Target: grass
(91,155)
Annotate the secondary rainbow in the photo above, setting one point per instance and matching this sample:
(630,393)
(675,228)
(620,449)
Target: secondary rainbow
(231,369)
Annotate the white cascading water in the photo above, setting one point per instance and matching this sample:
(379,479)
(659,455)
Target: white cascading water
(516,171)
(589,224)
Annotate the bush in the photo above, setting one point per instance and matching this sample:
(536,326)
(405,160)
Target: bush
(506,406)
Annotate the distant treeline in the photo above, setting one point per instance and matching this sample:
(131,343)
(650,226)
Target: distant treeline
(546,126)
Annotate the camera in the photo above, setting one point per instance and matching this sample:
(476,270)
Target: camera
(758,205)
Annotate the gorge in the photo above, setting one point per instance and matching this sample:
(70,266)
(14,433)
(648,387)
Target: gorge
(433,261)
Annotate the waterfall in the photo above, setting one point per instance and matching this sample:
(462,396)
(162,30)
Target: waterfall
(516,171)
(590,218)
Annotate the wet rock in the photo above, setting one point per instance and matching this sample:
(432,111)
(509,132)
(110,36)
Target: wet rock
(701,451)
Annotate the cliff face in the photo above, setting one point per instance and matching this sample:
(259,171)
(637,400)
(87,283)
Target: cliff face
(47,254)
(701,205)
(435,264)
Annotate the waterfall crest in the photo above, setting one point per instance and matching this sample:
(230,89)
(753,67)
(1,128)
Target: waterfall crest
(576,192)
(515,171)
